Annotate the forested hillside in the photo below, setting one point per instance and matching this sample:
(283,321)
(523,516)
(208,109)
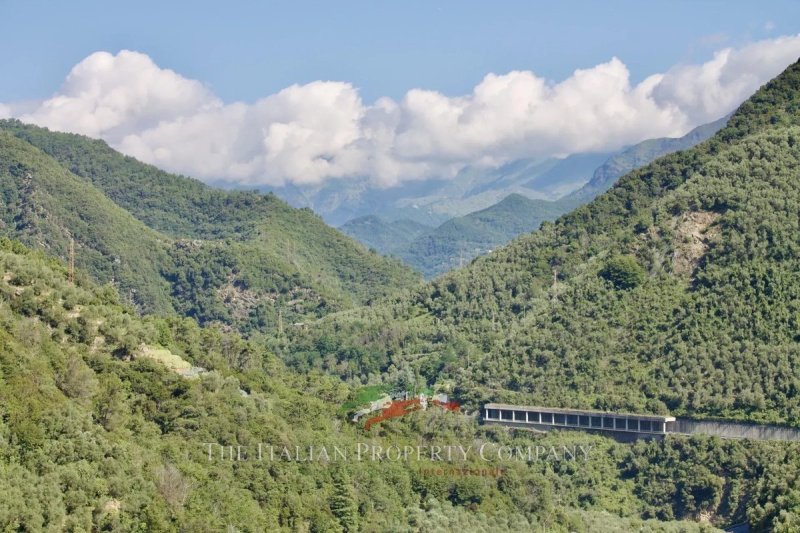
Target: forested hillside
(100,430)
(45,205)
(170,243)
(385,237)
(461,239)
(677,290)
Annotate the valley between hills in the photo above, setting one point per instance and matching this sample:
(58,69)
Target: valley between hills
(195,316)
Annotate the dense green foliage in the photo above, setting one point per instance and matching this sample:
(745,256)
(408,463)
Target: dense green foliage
(94,435)
(385,237)
(461,239)
(44,205)
(623,271)
(170,243)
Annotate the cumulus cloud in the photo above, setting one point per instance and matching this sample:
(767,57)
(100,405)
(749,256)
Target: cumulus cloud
(306,134)
(710,90)
(108,95)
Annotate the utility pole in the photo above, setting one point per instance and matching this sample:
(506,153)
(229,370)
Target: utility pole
(555,284)
(71,272)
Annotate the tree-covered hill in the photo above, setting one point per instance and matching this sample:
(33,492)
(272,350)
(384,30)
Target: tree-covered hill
(385,237)
(98,431)
(170,243)
(677,290)
(45,205)
(461,239)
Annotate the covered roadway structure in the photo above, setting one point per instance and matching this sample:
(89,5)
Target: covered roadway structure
(546,418)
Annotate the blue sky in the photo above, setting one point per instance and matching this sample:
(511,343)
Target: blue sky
(243,50)
(300,92)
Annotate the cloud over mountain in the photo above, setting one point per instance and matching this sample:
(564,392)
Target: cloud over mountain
(322,130)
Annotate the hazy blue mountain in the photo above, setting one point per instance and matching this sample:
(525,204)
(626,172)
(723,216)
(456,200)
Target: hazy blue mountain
(569,174)
(434,201)
(460,239)
(339,201)
(642,154)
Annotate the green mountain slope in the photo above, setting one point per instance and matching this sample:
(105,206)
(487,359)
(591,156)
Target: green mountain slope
(677,290)
(100,430)
(460,239)
(383,236)
(44,205)
(173,244)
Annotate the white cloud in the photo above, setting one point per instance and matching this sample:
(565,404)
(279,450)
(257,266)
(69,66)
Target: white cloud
(518,114)
(5,111)
(705,92)
(106,96)
(306,134)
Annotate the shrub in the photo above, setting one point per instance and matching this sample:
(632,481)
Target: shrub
(623,271)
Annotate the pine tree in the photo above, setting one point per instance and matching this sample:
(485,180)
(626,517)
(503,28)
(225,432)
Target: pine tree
(342,502)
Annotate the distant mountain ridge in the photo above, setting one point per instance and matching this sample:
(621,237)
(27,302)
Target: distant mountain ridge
(642,154)
(434,201)
(460,239)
